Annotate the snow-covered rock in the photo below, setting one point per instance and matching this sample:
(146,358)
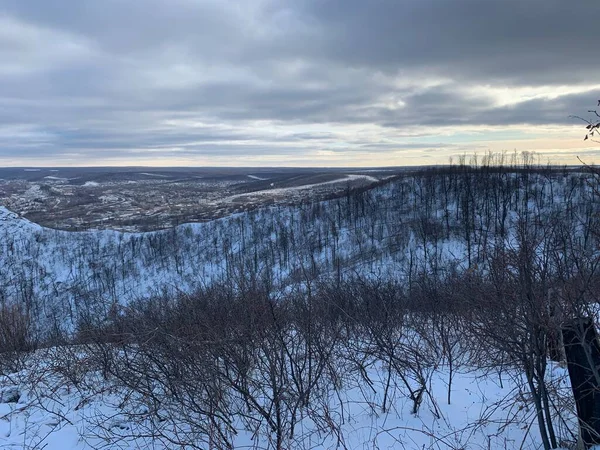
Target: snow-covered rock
(10,394)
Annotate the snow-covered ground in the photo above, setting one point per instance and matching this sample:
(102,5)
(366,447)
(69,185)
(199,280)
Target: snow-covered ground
(487,411)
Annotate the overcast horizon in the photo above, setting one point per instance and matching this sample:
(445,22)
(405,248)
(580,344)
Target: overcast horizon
(311,83)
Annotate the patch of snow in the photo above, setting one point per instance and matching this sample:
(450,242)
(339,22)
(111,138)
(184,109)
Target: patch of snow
(109,198)
(10,394)
(289,190)
(91,184)
(153,174)
(362,177)
(34,192)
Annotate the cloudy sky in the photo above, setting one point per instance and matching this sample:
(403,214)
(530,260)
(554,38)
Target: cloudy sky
(294,82)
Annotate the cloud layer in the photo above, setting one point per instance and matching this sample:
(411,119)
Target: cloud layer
(282,82)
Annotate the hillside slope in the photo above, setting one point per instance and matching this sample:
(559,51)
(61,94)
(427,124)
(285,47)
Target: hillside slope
(412,224)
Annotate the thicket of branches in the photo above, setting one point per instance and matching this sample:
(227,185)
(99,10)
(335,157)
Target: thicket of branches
(200,368)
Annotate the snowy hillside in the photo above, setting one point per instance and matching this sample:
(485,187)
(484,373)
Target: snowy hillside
(422,313)
(393,231)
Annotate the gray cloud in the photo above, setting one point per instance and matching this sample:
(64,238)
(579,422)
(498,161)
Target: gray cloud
(508,40)
(275,77)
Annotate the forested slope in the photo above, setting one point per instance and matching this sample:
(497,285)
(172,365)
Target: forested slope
(436,220)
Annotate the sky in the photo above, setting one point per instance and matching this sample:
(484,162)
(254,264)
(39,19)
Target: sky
(350,83)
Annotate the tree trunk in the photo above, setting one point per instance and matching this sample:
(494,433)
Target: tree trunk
(583,359)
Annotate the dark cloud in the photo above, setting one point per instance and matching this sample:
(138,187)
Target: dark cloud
(258,77)
(506,40)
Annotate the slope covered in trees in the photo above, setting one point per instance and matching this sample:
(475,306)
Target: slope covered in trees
(275,323)
(430,221)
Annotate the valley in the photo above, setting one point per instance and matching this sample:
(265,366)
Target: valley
(145,199)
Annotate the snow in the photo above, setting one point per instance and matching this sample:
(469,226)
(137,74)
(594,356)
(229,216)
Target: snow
(483,413)
(363,177)
(153,175)
(10,394)
(254,177)
(91,184)
(288,190)
(34,192)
